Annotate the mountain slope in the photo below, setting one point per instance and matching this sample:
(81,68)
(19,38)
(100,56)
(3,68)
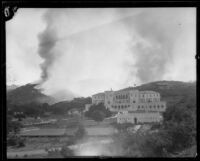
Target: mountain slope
(76,103)
(11,87)
(173,92)
(27,94)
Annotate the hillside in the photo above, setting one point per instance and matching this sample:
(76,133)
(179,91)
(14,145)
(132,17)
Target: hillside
(11,87)
(27,94)
(173,92)
(64,106)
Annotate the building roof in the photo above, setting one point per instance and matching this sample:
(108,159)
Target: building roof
(43,132)
(147,92)
(127,89)
(102,93)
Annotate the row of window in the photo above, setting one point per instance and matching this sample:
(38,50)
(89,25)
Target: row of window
(149,95)
(133,95)
(151,106)
(99,97)
(149,100)
(125,96)
(139,107)
(122,106)
(136,119)
(121,96)
(122,101)
(141,100)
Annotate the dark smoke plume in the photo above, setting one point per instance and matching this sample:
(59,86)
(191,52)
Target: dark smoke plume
(47,42)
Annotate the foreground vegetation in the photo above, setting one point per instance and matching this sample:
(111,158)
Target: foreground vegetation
(177,133)
(98,112)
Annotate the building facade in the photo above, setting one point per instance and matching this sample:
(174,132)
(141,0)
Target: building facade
(132,105)
(98,98)
(139,117)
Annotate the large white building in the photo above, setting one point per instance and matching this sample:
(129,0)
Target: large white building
(132,105)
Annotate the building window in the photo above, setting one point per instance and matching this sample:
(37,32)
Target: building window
(138,106)
(133,101)
(158,106)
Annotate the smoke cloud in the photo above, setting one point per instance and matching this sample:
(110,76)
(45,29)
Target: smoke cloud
(153,38)
(85,54)
(47,42)
(98,146)
(82,51)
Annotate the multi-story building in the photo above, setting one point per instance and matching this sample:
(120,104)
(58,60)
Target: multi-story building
(132,105)
(139,117)
(98,98)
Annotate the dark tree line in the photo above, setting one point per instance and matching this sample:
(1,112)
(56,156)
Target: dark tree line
(177,133)
(35,109)
(98,112)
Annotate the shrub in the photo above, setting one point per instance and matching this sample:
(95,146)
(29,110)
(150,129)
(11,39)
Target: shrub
(11,142)
(80,133)
(21,144)
(98,112)
(66,152)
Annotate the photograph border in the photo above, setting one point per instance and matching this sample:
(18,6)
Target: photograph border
(8,12)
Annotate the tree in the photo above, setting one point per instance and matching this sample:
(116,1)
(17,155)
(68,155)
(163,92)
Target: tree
(11,141)
(21,143)
(181,135)
(155,145)
(66,151)
(13,126)
(98,112)
(179,123)
(98,116)
(80,133)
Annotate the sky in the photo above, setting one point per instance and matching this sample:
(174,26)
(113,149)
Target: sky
(76,52)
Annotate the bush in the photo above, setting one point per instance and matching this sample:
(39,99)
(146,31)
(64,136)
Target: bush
(80,133)
(21,144)
(66,152)
(177,133)
(98,112)
(155,145)
(25,155)
(181,135)
(11,142)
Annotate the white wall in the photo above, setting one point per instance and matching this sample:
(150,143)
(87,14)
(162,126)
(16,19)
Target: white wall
(143,117)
